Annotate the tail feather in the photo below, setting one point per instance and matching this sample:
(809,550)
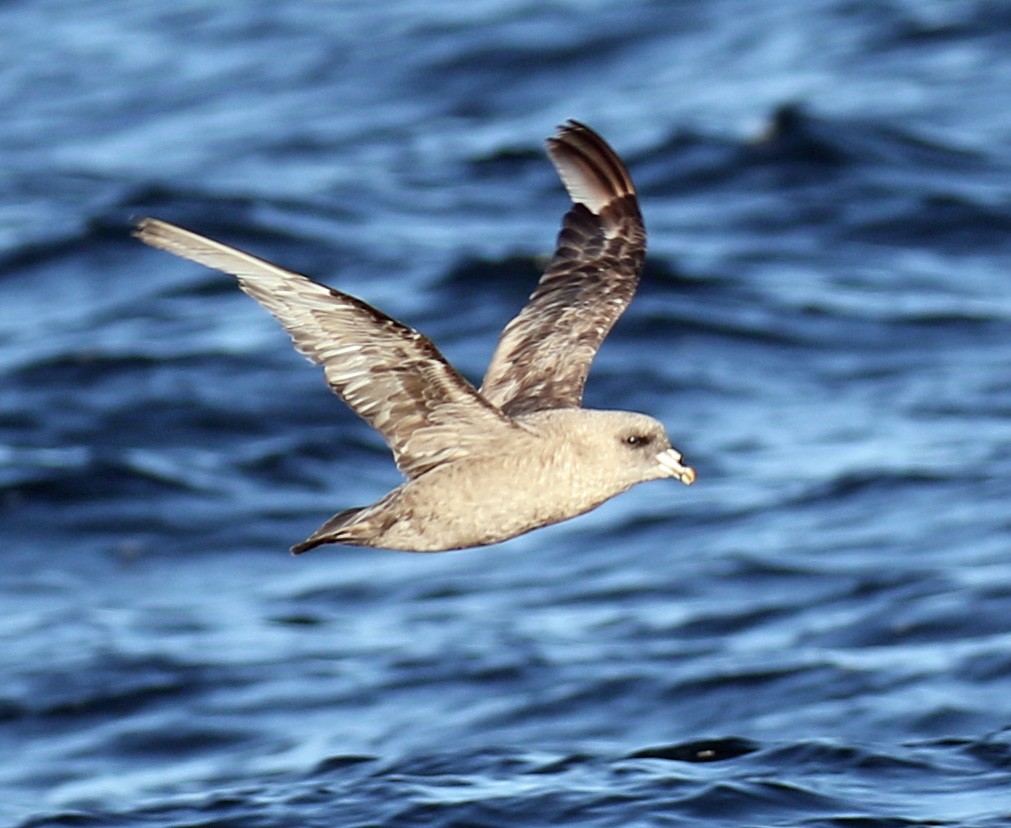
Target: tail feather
(329,532)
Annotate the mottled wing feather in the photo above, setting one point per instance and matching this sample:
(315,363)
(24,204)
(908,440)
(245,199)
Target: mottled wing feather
(388,373)
(544,354)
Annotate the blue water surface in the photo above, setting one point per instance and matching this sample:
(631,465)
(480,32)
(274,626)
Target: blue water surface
(818,633)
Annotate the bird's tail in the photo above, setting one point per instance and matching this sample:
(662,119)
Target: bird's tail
(330,532)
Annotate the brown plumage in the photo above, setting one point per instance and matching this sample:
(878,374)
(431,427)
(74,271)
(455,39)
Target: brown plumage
(544,354)
(480,466)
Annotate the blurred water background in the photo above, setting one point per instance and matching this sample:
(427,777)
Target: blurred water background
(818,633)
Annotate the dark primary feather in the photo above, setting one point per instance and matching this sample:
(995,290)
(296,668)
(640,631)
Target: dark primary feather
(544,354)
(388,373)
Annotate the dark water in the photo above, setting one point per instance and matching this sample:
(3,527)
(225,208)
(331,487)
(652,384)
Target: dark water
(818,633)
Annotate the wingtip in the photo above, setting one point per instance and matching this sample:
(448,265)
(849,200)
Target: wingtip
(590,169)
(567,128)
(570,125)
(151,230)
(141,226)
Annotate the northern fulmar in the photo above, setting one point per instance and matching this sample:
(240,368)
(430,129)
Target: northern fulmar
(482,465)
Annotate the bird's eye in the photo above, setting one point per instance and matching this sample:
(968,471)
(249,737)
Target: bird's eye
(637,440)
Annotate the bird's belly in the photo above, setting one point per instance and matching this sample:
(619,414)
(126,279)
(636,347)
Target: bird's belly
(467,506)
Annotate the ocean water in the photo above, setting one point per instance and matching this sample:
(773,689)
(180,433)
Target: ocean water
(817,633)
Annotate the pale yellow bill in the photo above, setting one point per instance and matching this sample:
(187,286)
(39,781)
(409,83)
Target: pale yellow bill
(671,462)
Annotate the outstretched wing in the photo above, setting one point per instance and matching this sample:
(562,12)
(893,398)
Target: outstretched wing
(390,374)
(544,354)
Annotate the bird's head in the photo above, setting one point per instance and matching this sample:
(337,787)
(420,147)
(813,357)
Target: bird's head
(621,447)
(643,443)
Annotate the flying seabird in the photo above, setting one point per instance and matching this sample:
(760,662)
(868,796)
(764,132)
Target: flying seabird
(482,465)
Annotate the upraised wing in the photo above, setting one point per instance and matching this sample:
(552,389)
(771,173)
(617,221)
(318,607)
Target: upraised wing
(544,354)
(388,373)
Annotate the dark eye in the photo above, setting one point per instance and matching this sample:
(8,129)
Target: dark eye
(637,440)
